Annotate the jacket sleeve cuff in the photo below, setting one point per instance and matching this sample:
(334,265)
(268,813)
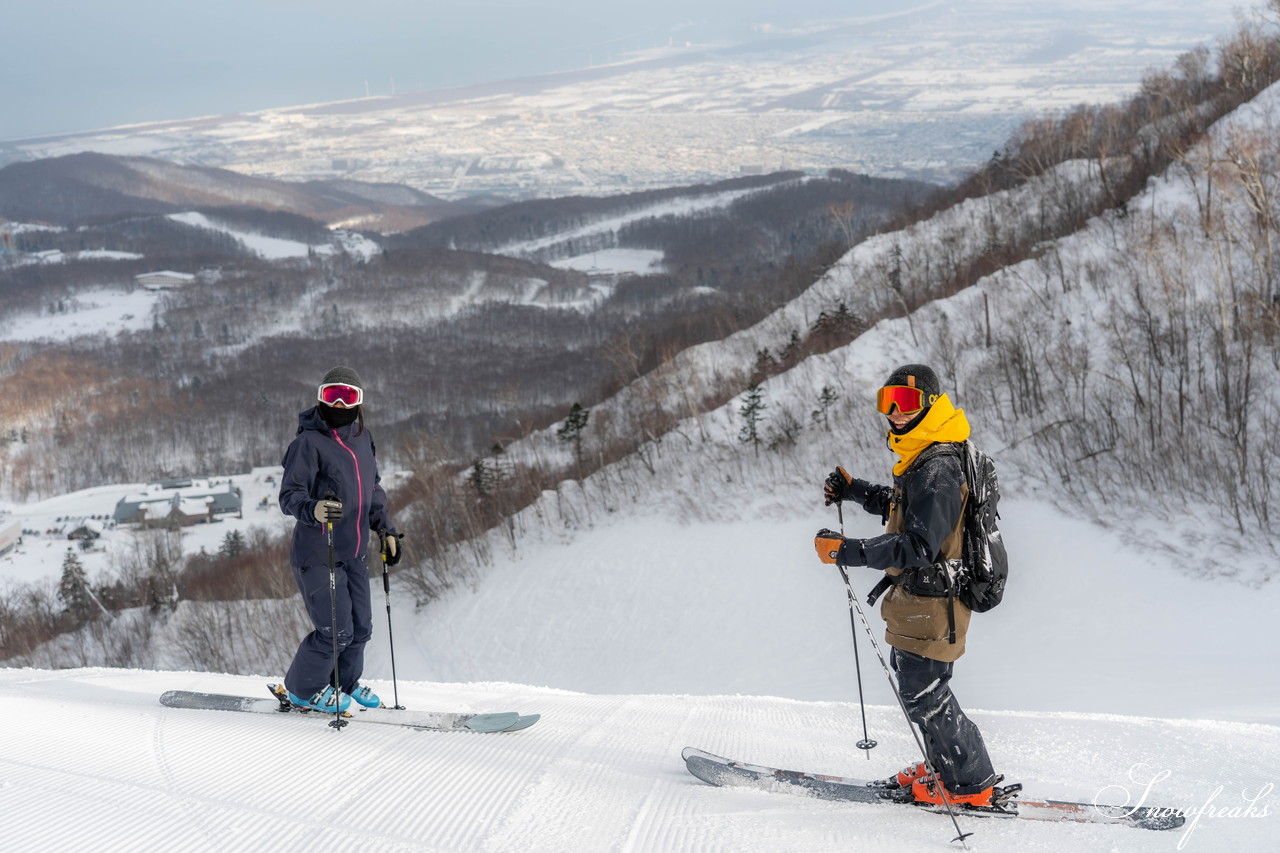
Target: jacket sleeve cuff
(852,553)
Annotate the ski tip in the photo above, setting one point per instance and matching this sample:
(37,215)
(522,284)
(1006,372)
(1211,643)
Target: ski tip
(486,723)
(522,722)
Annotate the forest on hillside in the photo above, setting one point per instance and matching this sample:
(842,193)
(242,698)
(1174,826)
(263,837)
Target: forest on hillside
(462,349)
(1186,321)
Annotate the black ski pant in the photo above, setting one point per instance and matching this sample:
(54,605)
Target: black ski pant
(952,741)
(312,667)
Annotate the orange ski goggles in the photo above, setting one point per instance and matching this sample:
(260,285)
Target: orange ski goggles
(908,400)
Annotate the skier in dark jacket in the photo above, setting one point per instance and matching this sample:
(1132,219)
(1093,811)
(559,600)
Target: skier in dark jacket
(331,478)
(924,515)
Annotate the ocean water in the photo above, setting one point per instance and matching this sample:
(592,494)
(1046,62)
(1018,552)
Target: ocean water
(85,66)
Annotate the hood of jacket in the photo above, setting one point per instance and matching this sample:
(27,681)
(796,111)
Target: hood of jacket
(943,422)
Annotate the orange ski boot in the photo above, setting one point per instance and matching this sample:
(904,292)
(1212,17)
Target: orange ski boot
(907,775)
(929,789)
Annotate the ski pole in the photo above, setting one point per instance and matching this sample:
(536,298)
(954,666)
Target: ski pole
(961,835)
(337,722)
(866,744)
(386,587)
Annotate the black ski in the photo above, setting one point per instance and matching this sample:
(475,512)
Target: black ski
(721,771)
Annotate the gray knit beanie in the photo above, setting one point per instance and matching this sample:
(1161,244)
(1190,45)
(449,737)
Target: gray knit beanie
(344,375)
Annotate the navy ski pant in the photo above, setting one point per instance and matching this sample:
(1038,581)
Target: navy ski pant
(312,667)
(953,742)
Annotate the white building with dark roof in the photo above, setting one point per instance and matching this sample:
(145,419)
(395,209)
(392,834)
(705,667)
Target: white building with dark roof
(163,280)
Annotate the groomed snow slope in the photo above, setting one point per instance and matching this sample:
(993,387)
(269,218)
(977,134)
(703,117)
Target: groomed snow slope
(91,761)
(658,602)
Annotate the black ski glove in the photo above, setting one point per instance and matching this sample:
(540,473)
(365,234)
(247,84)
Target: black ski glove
(833,486)
(839,487)
(327,511)
(391,550)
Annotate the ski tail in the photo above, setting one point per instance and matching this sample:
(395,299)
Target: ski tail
(206,701)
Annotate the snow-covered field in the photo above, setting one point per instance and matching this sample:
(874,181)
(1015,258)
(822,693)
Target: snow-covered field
(101,312)
(275,248)
(91,761)
(272,248)
(682,207)
(638,261)
(659,605)
(653,632)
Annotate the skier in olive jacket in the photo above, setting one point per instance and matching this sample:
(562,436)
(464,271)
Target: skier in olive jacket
(331,477)
(924,515)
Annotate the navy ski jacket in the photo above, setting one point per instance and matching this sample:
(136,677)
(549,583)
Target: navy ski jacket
(321,460)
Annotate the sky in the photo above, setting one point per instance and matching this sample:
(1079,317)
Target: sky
(70,65)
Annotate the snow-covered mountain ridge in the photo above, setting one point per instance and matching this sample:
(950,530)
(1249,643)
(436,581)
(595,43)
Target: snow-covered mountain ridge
(1027,351)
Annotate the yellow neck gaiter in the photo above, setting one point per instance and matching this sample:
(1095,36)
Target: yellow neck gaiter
(943,422)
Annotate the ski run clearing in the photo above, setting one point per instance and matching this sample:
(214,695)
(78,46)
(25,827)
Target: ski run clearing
(91,761)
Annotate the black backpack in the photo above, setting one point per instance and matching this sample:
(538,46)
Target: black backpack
(985,562)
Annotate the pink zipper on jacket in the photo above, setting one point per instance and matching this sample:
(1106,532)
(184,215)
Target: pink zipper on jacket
(359,489)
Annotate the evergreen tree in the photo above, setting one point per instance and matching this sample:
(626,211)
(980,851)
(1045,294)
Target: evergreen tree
(488,473)
(826,400)
(844,320)
(480,478)
(571,430)
(895,270)
(232,545)
(73,588)
(752,412)
(793,345)
(500,466)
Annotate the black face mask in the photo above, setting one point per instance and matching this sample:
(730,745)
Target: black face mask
(336,417)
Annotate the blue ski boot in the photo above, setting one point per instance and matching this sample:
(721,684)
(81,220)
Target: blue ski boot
(365,697)
(322,701)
